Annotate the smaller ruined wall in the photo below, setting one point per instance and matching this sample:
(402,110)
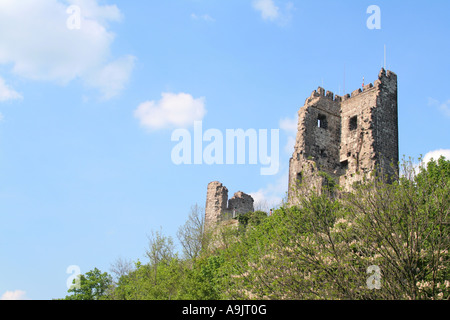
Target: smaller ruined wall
(240,203)
(216,202)
(218,208)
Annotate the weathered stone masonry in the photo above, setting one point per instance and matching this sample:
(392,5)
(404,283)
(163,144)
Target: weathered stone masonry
(342,137)
(219,208)
(346,137)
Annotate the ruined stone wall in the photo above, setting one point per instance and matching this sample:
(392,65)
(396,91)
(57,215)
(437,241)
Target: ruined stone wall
(218,208)
(386,123)
(369,137)
(216,202)
(346,137)
(358,151)
(240,203)
(317,142)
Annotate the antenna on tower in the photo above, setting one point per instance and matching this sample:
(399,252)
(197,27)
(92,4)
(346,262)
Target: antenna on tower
(344,82)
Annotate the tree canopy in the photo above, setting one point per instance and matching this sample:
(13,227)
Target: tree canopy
(384,240)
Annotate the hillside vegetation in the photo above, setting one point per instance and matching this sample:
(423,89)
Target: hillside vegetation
(382,241)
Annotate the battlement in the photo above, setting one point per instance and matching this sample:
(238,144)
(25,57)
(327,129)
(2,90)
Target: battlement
(387,74)
(349,134)
(356,92)
(320,92)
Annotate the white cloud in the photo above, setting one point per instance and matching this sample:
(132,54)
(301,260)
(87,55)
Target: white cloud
(205,17)
(7,93)
(14,295)
(36,42)
(271,12)
(111,79)
(436,154)
(272,195)
(268,9)
(444,107)
(172,110)
(289,126)
(103,14)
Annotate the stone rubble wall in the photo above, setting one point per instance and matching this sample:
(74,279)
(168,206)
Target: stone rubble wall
(218,208)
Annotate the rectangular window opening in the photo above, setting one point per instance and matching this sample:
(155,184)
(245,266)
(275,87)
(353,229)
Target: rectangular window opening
(299,178)
(353,123)
(322,121)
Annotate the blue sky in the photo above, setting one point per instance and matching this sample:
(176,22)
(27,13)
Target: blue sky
(87,113)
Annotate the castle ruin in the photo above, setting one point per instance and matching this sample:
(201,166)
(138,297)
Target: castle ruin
(342,137)
(346,137)
(218,208)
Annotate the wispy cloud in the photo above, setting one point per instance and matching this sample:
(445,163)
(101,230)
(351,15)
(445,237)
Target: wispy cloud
(272,195)
(289,126)
(172,110)
(444,107)
(8,93)
(267,8)
(271,12)
(14,295)
(111,79)
(204,17)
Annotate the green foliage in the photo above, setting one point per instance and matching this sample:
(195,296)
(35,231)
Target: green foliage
(320,249)
(204,280)
(330,183)
(144,284)
(91,286)
(252,218)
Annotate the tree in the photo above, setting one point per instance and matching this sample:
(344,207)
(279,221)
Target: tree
(160,247)
(192,234)
(121,267)
(160,250)
(327,247)
(92,286)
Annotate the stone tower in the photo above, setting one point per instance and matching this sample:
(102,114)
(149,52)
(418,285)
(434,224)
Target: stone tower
(346,137)
(218,208)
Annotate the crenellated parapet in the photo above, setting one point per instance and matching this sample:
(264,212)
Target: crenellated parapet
(321,93)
